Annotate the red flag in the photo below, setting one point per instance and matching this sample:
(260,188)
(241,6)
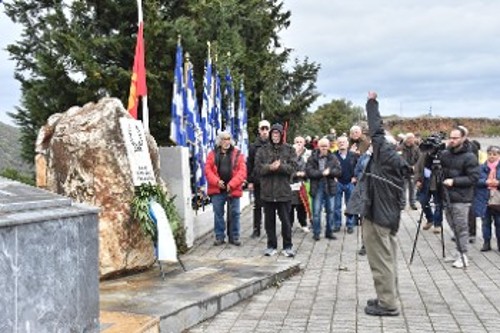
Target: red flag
(304,198)
(138,83)
(285,130)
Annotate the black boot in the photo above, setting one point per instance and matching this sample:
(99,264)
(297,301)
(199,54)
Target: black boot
(486,246)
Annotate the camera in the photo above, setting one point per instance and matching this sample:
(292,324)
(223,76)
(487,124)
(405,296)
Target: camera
(433,143)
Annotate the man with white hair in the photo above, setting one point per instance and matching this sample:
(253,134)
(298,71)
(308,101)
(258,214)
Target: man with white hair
(226,172)
(358,143)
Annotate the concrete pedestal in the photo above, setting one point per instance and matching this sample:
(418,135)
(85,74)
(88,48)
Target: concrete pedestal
(49,272)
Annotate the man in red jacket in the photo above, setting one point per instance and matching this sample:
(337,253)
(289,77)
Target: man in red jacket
(226,172)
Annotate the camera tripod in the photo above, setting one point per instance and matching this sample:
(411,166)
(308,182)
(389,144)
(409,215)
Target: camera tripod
(443,198)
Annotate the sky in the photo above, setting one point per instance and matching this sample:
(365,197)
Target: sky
(420,56)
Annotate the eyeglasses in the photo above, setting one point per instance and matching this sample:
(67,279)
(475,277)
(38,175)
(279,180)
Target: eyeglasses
(226,138)
(264,128)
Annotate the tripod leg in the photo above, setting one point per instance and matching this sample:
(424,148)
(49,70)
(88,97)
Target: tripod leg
(442,240)
(419,223)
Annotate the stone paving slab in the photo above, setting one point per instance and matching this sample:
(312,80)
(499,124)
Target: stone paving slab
(330,292)
(183,299)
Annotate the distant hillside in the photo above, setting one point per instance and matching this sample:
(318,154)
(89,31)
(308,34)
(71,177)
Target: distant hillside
(10,150)
(478,127)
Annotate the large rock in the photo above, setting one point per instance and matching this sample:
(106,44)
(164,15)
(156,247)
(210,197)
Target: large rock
(81,154)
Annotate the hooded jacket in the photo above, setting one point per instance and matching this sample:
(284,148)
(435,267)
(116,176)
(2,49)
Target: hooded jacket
(381,187)
(275,184)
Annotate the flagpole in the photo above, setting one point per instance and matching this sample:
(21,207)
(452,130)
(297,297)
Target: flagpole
(145,109)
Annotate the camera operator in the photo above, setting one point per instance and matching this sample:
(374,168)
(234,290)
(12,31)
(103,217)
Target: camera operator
(460,173)
(427,171)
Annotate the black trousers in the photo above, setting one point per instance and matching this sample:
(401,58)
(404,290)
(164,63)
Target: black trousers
(257,208)
(283,210)
(301,214)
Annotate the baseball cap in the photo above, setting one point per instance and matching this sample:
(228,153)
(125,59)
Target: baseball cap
(264,123)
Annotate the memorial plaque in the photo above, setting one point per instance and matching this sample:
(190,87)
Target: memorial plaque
(137,151)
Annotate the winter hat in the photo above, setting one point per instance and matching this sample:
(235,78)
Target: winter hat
(277,127)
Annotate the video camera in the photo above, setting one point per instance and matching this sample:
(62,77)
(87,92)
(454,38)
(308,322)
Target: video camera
(433,143)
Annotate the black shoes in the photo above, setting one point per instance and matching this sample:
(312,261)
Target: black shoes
(316,237)
(377,310)
(330,236)
(372,302)
(362,252)
(414,207)
(486,247)
(235,241)
(219,242)
(336,229)
(350,230)
(255,234)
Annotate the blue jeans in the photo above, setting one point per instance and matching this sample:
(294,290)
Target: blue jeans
(343,190)
(218,203)
(486,226)
(320,200)
(424,197)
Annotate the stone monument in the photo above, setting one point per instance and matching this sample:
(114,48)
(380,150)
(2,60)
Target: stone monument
(82,154)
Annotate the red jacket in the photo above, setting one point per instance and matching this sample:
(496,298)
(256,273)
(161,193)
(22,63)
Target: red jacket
(238,177)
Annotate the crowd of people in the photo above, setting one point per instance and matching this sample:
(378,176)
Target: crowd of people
(363,178)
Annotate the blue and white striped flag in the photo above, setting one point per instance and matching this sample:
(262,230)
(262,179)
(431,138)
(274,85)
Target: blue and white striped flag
(229,110)
(243,122)
(191,111)
(206,108)
(177,134)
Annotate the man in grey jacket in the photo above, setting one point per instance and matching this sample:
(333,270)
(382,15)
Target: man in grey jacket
(383,181)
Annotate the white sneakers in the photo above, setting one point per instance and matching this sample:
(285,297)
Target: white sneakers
(457,261)
(461,263)
(306,229)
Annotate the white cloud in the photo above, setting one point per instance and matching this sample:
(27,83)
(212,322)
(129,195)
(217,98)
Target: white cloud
(10,91)
(414,53)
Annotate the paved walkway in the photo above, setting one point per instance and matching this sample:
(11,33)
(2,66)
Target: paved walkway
(330,292)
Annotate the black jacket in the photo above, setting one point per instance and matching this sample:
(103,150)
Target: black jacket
(382,183)
(252,177)
(315,175)
(461,165)
(275,185)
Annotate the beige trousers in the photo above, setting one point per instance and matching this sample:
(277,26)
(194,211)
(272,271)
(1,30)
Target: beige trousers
(381,248)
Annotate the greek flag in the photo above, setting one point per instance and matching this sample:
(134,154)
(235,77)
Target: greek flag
(177,113)
(242,121)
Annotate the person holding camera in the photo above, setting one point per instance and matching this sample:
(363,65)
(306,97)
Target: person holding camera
(460,174)
(427,187)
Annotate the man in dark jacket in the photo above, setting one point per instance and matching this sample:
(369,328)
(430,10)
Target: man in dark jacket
(411,153)
(275,164)
(461,173)
(322,168)
(383,181)
(254,178)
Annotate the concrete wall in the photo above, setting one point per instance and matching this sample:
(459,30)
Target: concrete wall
(175,171)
